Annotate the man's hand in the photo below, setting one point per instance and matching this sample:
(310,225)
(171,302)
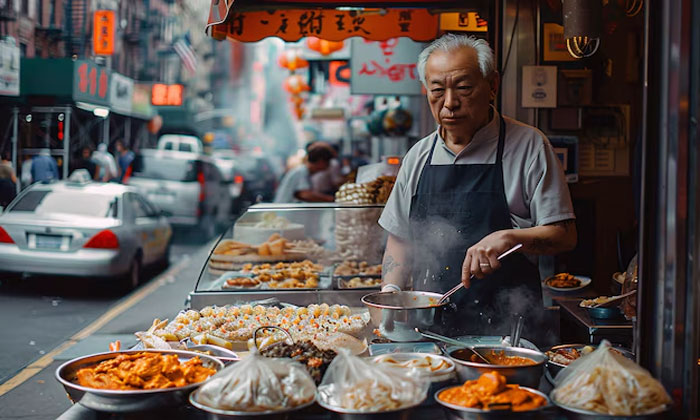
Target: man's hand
(482,258)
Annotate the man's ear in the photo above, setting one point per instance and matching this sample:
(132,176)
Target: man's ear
(494,82)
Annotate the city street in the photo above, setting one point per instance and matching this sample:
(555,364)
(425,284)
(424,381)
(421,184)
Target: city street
(48,320)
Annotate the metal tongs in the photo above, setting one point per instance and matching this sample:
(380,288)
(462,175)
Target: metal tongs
(460,285)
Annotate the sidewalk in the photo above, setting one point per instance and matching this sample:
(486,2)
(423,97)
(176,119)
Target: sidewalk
(43,397)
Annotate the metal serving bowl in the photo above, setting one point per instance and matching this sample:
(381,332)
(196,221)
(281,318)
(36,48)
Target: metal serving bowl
(612,312)
(528,376)
(455,412)
(220,414)
(437,380)
(403,413)
(573,413)
(127,401)
(553,368)
(403,312)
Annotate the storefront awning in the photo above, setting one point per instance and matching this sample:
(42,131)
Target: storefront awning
(291,20)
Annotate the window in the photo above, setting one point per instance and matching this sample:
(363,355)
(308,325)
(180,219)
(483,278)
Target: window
(166,168)
(184,147)
(145,207)
(80,203)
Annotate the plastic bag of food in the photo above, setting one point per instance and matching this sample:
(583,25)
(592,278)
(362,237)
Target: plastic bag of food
(608,383)
(258,383)
(357,384)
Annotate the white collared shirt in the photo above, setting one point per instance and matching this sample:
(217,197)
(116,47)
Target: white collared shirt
(533,178)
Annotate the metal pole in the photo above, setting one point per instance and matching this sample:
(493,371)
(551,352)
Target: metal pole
(127,131)
(15,117)
(105,130)
(66,142)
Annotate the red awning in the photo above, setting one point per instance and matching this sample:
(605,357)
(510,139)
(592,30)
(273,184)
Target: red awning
(291,20)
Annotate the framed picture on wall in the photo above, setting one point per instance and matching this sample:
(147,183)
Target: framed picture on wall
(554,47)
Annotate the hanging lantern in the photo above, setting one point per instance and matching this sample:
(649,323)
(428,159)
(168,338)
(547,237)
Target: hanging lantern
(324,47)
(296,99)
(291,60)
(299,111)
(295,84)
(155,124)
(582,26)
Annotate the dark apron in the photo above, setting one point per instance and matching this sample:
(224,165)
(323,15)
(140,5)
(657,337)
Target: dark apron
(455,206)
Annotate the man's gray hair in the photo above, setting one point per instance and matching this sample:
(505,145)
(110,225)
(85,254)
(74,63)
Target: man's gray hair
(451,42)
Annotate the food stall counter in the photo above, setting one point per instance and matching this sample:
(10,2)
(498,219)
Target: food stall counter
(576,321)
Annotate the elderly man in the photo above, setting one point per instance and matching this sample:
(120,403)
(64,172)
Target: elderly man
(295,185)
(479,185)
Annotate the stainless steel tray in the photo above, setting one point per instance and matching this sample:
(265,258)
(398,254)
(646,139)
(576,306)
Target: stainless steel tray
(114,401)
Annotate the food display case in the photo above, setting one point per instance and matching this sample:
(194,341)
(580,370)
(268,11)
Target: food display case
(296,253)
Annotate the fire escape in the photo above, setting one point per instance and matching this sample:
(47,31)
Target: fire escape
(76,19)
(7,14)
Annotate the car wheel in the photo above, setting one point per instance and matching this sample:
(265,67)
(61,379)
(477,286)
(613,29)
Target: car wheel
(133,277)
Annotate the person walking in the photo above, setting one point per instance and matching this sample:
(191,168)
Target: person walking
(124,158)
(8,181)
(44,167)
(105,161)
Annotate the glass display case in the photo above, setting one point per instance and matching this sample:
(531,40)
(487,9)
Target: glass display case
(296,253)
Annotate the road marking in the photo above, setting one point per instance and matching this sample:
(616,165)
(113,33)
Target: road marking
(44,361)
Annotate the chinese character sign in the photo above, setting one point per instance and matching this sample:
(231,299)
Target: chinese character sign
(385,67)
(103,32)
(91,83)
(328,24)
(167,95)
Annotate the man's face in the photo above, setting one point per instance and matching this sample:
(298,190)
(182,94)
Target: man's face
(86,153)
(319,166)
(458,94)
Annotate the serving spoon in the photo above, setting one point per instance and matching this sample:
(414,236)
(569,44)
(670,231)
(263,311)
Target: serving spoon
(460,285)
(614,299)
(452,341)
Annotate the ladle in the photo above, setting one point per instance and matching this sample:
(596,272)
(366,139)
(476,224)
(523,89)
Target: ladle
(452,341)
(460,285)
(614,299)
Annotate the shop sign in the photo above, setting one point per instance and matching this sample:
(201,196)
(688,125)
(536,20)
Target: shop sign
(385,68)
(466,22)
(9,69)
(141,100)
(121,92)
(329,24)
(91,83)
(103,32)
(167,95)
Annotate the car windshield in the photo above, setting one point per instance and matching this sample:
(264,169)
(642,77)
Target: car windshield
(161,167)
(79,203)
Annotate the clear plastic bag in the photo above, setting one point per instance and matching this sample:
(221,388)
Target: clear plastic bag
(608,383)
(357,384)
(258,383)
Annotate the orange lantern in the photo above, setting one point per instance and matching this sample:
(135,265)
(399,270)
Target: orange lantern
(291,60)
(295,84)
(296,99)
(324,47)
(299,112)
(155,124)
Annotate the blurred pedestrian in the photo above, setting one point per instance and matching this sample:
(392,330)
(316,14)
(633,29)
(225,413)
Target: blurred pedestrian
(296,183)
(25,177)
(105,161)
(86,162)
(124,158)
(8,181)
(44,167)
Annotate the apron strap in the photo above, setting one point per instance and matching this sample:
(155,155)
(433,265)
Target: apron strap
(501,139)
(432,148)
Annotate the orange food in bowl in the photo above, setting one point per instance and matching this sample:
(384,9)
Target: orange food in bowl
(142,371)
(499,358)
(490,391)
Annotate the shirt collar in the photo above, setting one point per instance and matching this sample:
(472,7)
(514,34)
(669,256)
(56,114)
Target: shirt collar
(484,134)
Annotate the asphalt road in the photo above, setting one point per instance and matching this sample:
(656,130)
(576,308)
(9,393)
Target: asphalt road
(48,320)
